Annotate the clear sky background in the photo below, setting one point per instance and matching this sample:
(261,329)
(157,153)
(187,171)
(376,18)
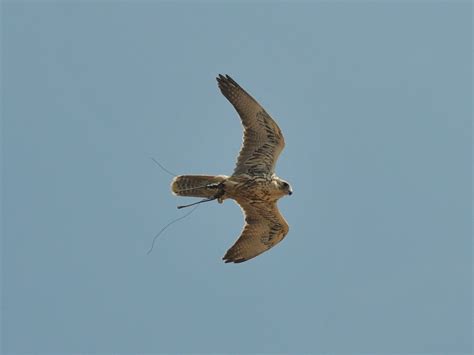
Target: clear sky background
(374,99)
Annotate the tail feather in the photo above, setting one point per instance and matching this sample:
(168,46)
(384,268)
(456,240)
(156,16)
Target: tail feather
(196,185)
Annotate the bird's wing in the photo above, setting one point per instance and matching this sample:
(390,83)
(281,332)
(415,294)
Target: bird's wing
(263,140)
(264,227)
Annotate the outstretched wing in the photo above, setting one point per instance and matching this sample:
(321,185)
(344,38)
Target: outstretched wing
(263,140)
(264,227)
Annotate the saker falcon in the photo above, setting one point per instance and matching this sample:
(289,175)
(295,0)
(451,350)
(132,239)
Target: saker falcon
(253,184)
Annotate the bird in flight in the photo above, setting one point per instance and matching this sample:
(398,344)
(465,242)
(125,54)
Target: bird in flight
(253,184)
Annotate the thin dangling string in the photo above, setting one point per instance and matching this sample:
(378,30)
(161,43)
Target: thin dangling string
(169,224)
(174,220)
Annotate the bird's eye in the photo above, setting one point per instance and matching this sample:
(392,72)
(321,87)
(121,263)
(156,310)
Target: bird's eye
(285,184)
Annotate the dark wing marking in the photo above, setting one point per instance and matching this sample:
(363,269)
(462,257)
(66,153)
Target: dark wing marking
(262,141)
(264,227)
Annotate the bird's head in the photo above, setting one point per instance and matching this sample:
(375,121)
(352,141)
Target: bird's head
(283,186)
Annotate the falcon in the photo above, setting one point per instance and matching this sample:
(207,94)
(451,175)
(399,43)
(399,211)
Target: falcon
(253,184)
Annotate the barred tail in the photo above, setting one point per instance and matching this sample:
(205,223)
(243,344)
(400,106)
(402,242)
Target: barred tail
(196,185)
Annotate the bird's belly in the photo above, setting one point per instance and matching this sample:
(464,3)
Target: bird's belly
(247,189)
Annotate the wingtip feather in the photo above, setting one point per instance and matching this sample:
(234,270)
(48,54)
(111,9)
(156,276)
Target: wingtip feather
(226,80)
(236,261)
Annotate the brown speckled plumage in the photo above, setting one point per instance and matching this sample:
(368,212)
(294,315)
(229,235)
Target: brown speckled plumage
(253,184)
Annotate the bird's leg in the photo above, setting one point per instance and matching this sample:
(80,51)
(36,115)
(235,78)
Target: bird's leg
(220,193)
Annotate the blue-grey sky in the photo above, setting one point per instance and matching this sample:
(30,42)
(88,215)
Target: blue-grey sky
(374,99)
